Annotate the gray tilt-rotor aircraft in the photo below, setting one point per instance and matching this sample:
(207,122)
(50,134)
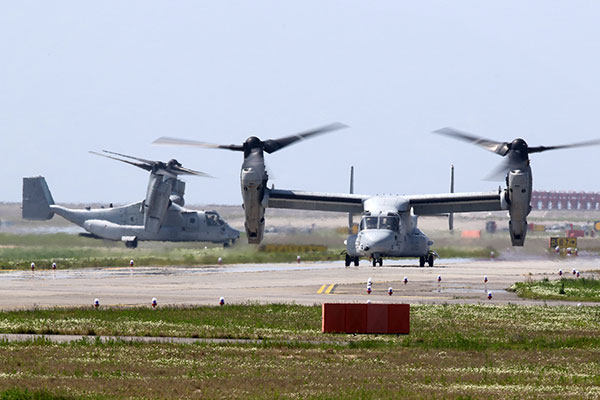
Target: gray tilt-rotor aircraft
(388,226)
(160,216)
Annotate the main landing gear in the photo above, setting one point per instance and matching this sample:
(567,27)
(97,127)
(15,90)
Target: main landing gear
(428,258)
(131,244)
(377,260)
(351,259)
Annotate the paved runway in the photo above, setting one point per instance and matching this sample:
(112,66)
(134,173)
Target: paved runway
(305,283)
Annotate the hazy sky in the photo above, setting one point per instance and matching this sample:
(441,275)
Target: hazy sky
(82,75)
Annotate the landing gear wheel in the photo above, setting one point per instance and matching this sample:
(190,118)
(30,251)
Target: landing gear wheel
(356,261)
(422,261)
(380,262)
(131,244)
(374,262)
(347,260)
(430,260)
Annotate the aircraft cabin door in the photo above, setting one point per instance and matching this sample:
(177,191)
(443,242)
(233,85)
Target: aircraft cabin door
(190,221)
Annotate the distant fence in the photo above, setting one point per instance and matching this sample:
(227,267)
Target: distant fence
(565,201)
(289,248)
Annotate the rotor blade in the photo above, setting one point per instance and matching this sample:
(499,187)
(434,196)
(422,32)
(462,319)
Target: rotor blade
(507,164)
(139,165)
(272,145)
(186,171)
(498,173)
(164,140)
(151,162)
(491,145)
(540,149)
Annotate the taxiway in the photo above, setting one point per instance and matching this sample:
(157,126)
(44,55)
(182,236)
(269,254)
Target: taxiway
(304,283)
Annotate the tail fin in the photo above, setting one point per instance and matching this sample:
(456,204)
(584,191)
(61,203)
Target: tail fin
(36,199)
(350,221)
(451,215)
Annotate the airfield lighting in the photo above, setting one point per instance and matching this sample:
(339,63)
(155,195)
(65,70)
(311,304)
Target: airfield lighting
(220,261)
(33,266)
(569,250)
(492,255)
(577,274)
(485,279)
(368,289)
(560,272)
(222,301)
(578,304)
(576,251)
(298,259)
(557,250)
(154,302)
(96,303)
(489,296)
(369,281)
(369,301)
(390,291)
(574,271)
(53,265)
(405,280)
(439,279)
(131,263)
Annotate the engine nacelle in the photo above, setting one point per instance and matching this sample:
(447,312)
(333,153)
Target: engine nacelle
(157,201)
(518,198)
(253,191)
(178,192)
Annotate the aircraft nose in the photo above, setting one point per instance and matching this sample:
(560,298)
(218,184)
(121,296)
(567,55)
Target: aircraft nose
(376,241)
(234,233)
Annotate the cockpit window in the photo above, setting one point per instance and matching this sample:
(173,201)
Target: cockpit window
(213,219)
(380,222)
(368,223)
(388,223)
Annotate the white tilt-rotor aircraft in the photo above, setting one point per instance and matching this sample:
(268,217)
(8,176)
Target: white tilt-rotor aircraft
(388,227)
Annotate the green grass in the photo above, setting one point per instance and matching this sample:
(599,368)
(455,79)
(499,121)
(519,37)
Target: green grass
(573,289)
(73,251)
(452,352)
(457,327)
(25,394)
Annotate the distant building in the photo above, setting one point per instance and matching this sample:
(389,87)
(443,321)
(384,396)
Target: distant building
(565,201)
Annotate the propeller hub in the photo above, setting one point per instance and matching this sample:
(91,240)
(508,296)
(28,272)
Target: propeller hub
(173,163)
(253,143)
(519,145)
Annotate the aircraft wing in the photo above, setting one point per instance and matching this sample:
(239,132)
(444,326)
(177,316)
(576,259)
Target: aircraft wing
(429,204)
(298,200)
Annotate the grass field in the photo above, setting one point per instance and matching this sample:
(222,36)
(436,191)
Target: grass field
(453,351)
(73,251)
(574,289)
